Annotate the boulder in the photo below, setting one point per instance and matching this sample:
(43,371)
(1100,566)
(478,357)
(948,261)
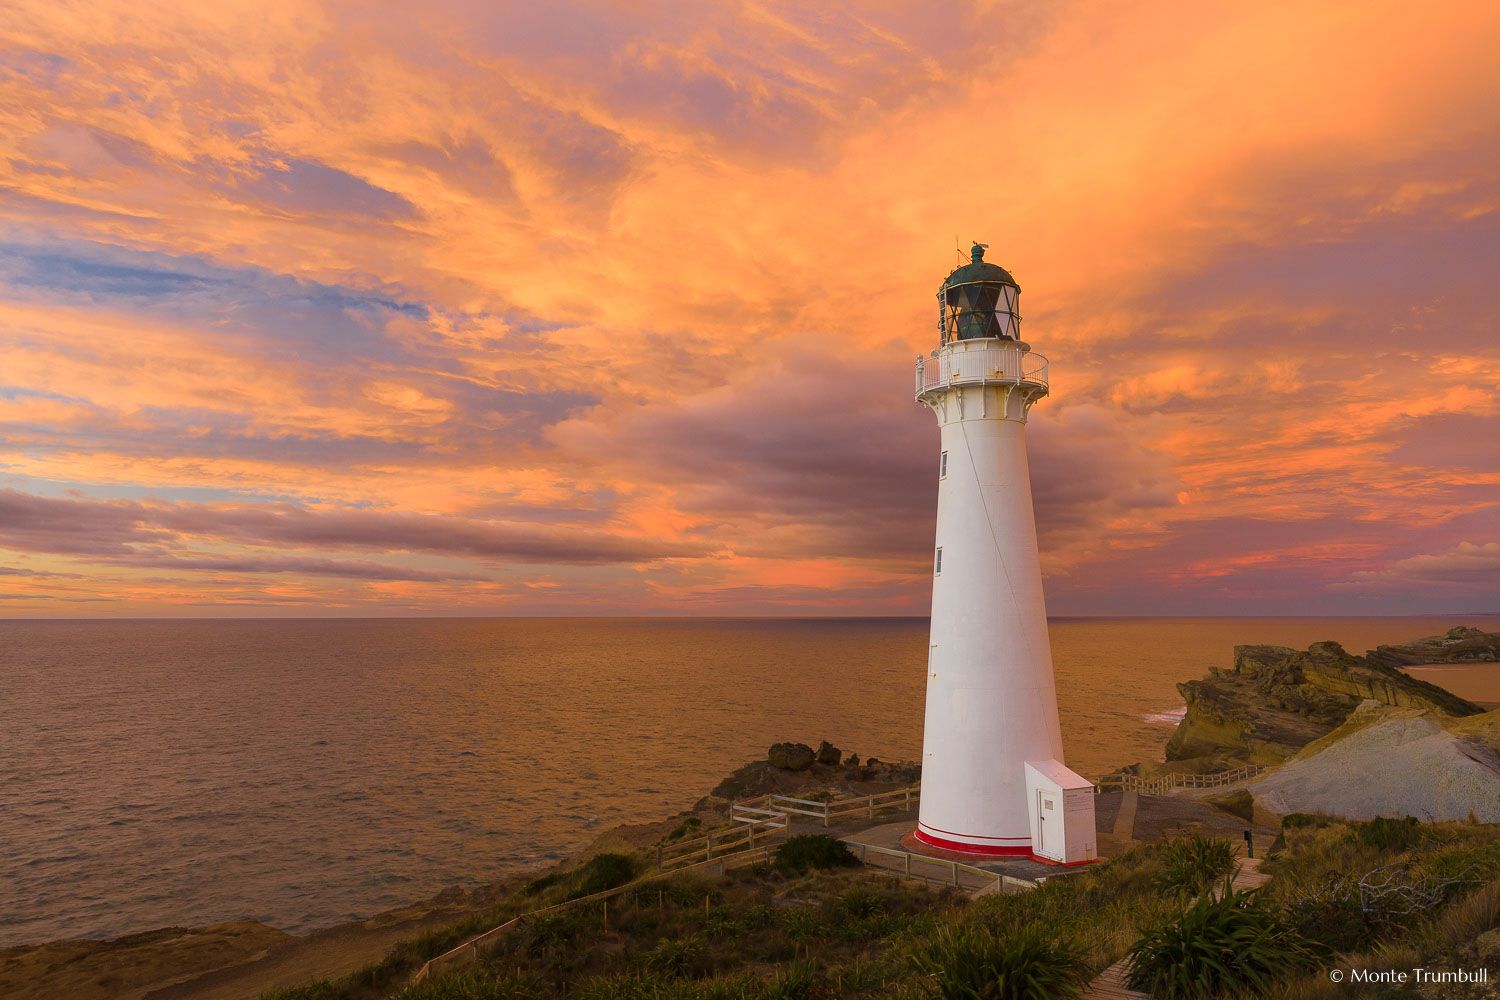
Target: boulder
(828,753)
(791,756)
(852,760)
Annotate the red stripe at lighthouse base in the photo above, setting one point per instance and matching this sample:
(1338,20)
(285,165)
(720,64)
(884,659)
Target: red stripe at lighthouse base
(989,850)
(920,836)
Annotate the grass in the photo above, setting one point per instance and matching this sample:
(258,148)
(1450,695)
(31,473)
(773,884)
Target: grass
(1015,962)
(1224,942)
(820,927)
(1194,863)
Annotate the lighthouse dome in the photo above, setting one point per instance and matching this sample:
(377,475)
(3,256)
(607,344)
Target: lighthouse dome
(979,300)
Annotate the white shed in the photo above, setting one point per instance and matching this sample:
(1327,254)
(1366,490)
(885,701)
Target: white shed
(1061,805)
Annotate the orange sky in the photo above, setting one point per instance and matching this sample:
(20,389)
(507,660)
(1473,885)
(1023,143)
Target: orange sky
(567,308)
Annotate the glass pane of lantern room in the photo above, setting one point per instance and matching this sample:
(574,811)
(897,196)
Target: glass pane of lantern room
(985,297)
(961,299)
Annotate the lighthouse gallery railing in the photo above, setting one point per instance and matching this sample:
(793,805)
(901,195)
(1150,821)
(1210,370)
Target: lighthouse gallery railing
(1001,365)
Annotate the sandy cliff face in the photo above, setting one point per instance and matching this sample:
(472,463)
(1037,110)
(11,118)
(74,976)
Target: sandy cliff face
(1391,761)
(1276,700)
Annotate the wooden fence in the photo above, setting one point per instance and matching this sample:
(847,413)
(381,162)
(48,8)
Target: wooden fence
(758,809)
(902,861)
(1163,783)
(669,856)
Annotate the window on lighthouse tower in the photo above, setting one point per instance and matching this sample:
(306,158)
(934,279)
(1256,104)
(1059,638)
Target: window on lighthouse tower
(943,466)
(937,563)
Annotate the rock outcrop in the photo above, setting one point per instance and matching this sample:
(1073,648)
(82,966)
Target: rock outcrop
(791,756)
(1276,700)
(845,781)
(828,753)
(1386,761)
(1457,645)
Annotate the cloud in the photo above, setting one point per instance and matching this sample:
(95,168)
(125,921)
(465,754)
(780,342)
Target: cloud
(308,188)
(1451,440)
(1471,565)
(353,569)
(826,454)
(147,533)
(442,290)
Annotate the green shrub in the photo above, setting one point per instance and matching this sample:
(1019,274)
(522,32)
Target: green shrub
(536,885)
(1022,962)
(1193,864)
(1387,834)
(604,871)
(817,850)
(800,980)
(685,957)
(551,930)
(759,916)
(860,902)
(800,923)
(720,928)
(689,824)
(1228,943)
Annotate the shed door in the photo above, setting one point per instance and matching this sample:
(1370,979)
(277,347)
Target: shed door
(1046,810)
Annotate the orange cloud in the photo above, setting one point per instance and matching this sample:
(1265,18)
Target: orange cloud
(656,284)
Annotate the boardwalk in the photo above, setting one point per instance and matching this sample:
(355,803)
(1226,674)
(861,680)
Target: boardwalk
(1249,875)
(1110,985)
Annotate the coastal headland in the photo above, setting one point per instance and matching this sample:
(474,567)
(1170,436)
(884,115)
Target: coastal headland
(1323,731)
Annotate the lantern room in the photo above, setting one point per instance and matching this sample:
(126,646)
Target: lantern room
(979,300)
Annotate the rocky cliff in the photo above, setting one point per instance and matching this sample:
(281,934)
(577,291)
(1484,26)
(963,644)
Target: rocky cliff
(1457,645)
(1386,761)
(1276,700)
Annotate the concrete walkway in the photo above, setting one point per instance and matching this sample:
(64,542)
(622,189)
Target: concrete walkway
(1124,827)
(890,836)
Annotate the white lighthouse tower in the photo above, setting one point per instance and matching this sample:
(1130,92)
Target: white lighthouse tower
(992,777)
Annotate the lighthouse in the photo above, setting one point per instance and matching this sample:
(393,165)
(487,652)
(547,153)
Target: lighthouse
(993,781)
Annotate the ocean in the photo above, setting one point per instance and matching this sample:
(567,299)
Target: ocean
(308,772)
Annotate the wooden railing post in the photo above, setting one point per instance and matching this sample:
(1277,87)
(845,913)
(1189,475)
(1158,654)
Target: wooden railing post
(955,871)
(658,855)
